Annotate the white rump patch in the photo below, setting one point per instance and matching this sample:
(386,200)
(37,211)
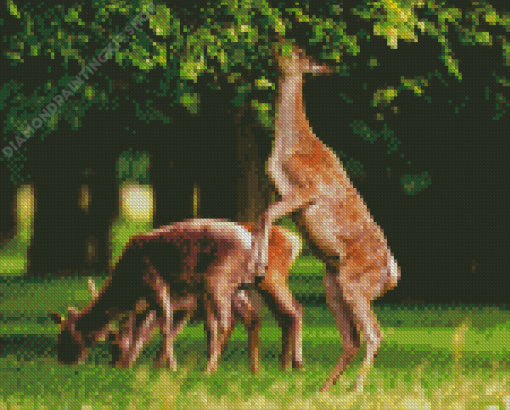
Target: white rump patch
(295,240)
(245,236)
(217,226)
(393,270)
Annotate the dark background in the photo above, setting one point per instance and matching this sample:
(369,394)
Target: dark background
(451,239)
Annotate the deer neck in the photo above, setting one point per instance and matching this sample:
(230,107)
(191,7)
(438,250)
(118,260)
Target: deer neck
(290,114)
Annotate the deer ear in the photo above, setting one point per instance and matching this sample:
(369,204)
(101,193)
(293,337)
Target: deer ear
(57,318)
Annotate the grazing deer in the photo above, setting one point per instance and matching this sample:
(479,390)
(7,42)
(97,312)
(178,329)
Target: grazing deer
(284,248)
(181,267)
(137,328)
(310,179)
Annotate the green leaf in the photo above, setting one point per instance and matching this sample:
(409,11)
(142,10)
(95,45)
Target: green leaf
(13,9)
(484,38)
(191,101)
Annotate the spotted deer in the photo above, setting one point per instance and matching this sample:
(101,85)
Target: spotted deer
(174,272)
(330,212)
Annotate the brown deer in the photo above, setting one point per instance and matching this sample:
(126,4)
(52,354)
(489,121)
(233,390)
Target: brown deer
(284,247)
(332,214)
(179,268)
(136,329)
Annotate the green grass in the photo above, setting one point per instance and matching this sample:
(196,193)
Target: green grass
(420,362)
(13,257)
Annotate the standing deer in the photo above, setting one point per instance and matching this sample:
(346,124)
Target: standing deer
(179,268)
(332,214)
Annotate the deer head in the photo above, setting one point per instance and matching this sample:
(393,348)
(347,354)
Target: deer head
(292,61)
(72,344)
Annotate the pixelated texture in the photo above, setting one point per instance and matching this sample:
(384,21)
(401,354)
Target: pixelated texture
(310,179)
(184,267)
(430,356)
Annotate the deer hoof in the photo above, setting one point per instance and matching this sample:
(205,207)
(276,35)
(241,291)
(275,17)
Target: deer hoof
(358,387)
(165,362)
(298,366)
(122,364)
(285,362)
(326,386)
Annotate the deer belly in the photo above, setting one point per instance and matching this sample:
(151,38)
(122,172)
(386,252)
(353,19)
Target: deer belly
(323,229)
(369,262)
(335,218)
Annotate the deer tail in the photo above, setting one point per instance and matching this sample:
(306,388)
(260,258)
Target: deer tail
(394,271)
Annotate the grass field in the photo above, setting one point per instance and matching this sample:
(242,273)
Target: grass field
(432,357)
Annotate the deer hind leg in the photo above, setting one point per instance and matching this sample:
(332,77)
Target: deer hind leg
(367,275)
(356,295)
(344,320)
(219,313)
(243,306)
(289,315)
(367,322)
(318,223)
(215,344)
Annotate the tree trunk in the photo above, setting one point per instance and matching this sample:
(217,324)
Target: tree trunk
(254,192)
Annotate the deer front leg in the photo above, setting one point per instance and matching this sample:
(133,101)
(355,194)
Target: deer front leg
(179,325)
(143,335)
(131,340)
(296,200)
(127,328)
(167,359)
(126,331)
